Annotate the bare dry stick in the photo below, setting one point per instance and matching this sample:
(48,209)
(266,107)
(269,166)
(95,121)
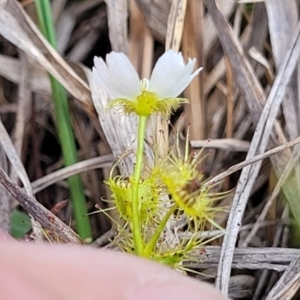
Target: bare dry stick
(210,33)
(156,16)
(19,29)
(39,212)
(5,203)
(230,144)
(175,27)
(282,21)
(253,94)
(270,258)
(117,13)
(250,161)
(18,170)
(140,42)
(175,24)
(192,46)
(82,166)
(285,174)
(288,285)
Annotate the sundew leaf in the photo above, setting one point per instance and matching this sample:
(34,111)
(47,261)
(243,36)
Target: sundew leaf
(148,195)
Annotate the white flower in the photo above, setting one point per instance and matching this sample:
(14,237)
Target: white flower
(169,78)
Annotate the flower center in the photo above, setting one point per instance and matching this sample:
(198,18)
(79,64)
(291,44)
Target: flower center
(146,103)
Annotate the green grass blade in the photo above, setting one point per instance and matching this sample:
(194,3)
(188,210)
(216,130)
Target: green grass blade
(64,127)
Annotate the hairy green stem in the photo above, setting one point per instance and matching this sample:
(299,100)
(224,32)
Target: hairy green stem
(136,213)
(64,127)
(152,243)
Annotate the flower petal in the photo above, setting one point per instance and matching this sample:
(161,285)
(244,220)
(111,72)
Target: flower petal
(171,75)
(117,76)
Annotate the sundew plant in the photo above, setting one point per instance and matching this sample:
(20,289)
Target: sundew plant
(171,189)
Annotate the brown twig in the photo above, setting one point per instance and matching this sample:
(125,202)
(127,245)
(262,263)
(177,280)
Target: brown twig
(39,212)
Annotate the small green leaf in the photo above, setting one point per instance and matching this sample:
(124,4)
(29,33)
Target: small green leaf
(20,224)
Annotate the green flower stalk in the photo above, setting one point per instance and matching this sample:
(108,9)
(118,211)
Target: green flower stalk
(136,212)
